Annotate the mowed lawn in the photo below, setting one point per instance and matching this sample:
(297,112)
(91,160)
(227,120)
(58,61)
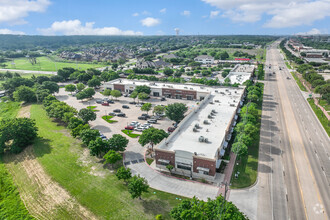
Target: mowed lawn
(93,186)
(46,64)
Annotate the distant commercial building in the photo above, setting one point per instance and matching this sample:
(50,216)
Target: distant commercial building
(196,147)
(204,59)
(240,73)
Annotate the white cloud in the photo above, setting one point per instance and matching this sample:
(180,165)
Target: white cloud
(135,14)
(7,31)
(13,11)
(75,27)
(214,14)
(146,13)
(149,22)
(186,13)
(163,11)
(284,13)
(313,31)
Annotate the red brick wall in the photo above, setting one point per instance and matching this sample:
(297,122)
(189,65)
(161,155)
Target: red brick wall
(182,92)
(206,163)
(165,155)
(119,87)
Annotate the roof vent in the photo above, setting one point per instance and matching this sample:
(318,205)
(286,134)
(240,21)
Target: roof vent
(201,139)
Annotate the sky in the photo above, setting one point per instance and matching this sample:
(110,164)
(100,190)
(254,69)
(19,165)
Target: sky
(162,17)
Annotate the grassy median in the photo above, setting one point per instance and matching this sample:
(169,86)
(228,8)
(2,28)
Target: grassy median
(320,115)
(301,86)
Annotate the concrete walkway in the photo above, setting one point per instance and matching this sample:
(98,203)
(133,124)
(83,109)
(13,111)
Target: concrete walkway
(173,185)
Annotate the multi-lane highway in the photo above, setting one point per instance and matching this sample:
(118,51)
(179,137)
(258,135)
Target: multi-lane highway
(294,160)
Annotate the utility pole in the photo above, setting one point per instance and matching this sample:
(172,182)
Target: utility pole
(223,207)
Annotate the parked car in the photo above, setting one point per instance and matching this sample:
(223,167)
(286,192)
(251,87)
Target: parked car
(112,114)
(117,110)
(175,125)
(163,99)
(121,115)
(288,78)
(138,129)
(105,104)
(138,105)
(146,115)
(156,117)
(170,129)
(125,106)
(129,127)
(99,101)
(105,99)
(110,101)
(76,81)
(132,103)
(125,95)
(142,118)
(152,121)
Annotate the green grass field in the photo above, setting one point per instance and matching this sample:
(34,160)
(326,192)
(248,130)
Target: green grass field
(46,64)
(11,205)
(325,105)
(320,115)
(104,195)
(9,109)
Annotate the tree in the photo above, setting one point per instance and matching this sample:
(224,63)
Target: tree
(16,134)
(152,136)
(11,84)
(170,167)
(136,186)
(65,72)
(80,87)
(143,96)
(107,92)
(177,74)
(51,86)
(86,115)
(159,217)
(224,55)
(41,94)
(118,142)
(133,95)
(86,93)
(112,157)
(25,94)
(84,77)
(57,110)
(168,71)
(70,88)
(239,148)
(67,117)
(115,93)
(176,111)
(146,107)
(97,147)
(124,174)
(159,109)
(211,209)
(95,82)
(145,89)
(89,135)
(77,130)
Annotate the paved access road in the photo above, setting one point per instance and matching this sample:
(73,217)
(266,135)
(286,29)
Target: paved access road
(28,71)
(294,174)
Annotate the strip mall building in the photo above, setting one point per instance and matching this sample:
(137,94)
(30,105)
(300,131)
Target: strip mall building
(196,147)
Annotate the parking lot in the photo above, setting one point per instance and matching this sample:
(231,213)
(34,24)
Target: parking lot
(134,151)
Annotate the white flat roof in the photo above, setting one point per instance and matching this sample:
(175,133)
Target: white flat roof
(188,140)
(240,73)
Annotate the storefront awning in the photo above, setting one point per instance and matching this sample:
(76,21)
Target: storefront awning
(225,144)
(203,169)
(164,161)
(236,117)
(218,163)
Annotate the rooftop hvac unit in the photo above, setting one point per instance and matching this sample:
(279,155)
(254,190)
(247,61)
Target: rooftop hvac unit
(211,102)
(216,91)
(195,130)
(201,139)
(232,105)
(185,87)
(206,122)
(191,88)
(206,140)
(210,116)
(214,111)
(197,126)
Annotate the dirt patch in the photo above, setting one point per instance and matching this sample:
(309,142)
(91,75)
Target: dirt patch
(47,197)
(43,197)
(24,112)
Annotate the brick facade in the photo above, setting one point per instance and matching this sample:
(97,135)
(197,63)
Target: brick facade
(205,163)
(165,155)
(179,92)
(119,87)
